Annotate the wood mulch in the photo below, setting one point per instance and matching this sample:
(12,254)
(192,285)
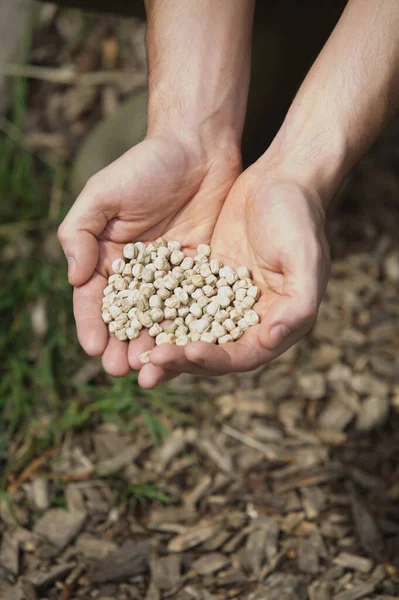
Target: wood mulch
(287,488)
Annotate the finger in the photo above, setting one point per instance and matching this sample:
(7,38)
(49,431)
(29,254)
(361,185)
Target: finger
(78,235)
(295,311)
(201,358)
(151,377)
(137,347)
(115,360)
(91,329)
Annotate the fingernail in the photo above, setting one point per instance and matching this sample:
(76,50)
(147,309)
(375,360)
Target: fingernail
(71,266)
(278,334)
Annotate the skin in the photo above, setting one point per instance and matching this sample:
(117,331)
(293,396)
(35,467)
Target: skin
(271,217)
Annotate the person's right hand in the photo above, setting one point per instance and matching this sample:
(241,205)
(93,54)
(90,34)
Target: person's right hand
(164,186)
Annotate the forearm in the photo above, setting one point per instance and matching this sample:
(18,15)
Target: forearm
(349,95)
(199,66)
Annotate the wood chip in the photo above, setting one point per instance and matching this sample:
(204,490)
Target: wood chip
(58,573)
(93,547)
(9,553)
(59,526)
(210,563)
(352,561)
(119,461)
(165,571)
(307,557)
(194,536)
(128,561)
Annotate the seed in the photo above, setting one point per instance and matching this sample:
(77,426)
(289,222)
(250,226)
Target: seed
(195,336)
(189,288)
(236,333)
(209,337)
(221,316)
(229,325)
(137,271)
(171,328)
(253,292)
(161,263)
(155,301)
(187,263)
(155,330)
(182,340)
(209,291)
(170,282)
(243,273)
(205,270)
(181,330)
(189,319)
(114,311)
(248,301)
(145,357)
(145,319)
(164,252)
(170,313)
(212,308)
(165,338)
(130,251)
(225,339)
(108,290)
(156,314)
(240,284)
(172,302)
(132,333)
(160,243)
(127,270)
(221,282)
(163,293)
(121,334)
(218,330)
(122,318)
(140,246)
(197,293)
(251,317)
(200,259)
(176,257)
(181,295)
(183,311)
(198,281)
(196,310)
(240,294)
(243,324)
(174,245)
(118,265)
(215,265)
(202,301)
(147,275)
(106,315)
(229,274)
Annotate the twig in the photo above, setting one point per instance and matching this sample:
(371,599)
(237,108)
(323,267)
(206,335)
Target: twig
(17,135)
(248,441)
(67,76)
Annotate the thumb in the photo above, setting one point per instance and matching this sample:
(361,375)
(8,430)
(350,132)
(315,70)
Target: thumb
(78,237)
(81,251)
(293,313)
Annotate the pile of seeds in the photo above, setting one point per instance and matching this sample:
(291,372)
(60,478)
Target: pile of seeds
(179,299)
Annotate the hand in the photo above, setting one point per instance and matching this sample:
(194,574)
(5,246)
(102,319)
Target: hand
(276,228)
(161,187)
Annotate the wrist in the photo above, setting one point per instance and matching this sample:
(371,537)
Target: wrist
(316,160)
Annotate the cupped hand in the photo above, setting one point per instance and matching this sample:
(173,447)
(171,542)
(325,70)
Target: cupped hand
(274,226)
(164,186)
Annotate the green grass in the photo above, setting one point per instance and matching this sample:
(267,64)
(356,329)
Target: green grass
(39,402)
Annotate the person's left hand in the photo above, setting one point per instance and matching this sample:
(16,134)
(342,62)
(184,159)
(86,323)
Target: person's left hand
(276,228)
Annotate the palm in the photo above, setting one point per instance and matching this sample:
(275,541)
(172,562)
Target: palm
(278,232)
(151,191)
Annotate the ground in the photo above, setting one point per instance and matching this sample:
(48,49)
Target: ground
(278,485)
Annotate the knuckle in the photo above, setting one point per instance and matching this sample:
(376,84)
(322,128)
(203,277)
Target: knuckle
(62,233)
